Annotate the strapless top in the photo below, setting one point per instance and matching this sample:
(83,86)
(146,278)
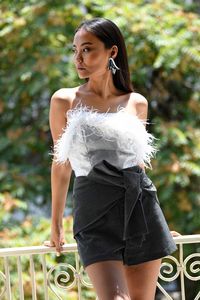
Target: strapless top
(91,136)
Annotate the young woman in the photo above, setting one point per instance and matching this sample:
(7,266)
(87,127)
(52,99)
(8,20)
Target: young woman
(120,230)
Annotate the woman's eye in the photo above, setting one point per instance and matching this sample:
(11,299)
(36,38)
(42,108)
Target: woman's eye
(75,51)
(86,50)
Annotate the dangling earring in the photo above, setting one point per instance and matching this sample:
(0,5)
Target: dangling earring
(112,66)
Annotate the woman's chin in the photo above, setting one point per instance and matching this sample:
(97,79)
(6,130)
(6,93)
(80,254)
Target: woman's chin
(82,76)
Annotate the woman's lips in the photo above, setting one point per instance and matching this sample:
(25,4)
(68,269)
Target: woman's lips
(79,67)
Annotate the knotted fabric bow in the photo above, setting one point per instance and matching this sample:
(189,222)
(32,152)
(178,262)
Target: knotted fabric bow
(106,184)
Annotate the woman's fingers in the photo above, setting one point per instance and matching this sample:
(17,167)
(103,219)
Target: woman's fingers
(58,248)
(56,244)
(52,244)
(175,233)
(49,244)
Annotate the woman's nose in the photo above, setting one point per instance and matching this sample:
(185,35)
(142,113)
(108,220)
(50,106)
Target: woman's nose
(79,57)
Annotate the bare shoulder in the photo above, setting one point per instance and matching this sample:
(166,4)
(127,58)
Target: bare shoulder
(138,99)
(64,96)
(139,104)
(61,102)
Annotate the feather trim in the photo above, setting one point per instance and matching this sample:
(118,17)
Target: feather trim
(126,130)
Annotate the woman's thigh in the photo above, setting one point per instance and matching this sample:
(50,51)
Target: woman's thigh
(142,279)
(108,279)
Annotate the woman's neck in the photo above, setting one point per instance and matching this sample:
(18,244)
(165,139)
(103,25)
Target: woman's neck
(102,86)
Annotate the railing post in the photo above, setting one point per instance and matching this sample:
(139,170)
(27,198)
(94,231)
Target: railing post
(78,276)
(7,273)
(33,282)
(44,268)
(182,272)
(19,271)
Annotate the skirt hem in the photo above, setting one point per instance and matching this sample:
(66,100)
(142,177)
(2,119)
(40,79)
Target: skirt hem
(134,260)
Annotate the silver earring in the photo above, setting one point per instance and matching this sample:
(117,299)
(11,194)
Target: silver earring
(112,66)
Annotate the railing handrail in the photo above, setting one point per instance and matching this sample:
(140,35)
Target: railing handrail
(187,239)
(5,252)
(35,250)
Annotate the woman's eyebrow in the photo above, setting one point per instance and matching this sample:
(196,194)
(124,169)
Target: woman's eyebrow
(85,43)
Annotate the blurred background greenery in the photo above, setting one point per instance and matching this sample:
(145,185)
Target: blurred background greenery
(163,44)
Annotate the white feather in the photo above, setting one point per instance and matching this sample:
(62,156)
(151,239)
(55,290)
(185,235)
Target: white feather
(121,129)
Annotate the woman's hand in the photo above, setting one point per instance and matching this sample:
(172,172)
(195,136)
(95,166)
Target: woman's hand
(57,239)
(175,233)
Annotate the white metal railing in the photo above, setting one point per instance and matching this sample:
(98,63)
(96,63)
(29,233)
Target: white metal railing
(60,277)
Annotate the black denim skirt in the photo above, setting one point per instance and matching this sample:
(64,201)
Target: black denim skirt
(117,216)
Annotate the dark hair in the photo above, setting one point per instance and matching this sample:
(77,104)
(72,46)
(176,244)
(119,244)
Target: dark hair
(106,31)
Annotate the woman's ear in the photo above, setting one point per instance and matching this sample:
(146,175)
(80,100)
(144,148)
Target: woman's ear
(114,51)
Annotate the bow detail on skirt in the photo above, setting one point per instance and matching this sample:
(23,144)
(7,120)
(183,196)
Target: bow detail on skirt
(106,184)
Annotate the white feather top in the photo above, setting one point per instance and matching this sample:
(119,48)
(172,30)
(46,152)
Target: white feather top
(91,136)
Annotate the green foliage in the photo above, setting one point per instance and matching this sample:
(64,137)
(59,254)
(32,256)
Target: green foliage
(32,232)
(162,39)
(33,65)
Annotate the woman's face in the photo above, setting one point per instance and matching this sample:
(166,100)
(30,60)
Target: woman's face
(90,55)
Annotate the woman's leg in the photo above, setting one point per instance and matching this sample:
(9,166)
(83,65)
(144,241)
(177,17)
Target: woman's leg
(142,279)
(108,279)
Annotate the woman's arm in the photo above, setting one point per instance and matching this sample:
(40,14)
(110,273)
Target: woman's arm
(60,173)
